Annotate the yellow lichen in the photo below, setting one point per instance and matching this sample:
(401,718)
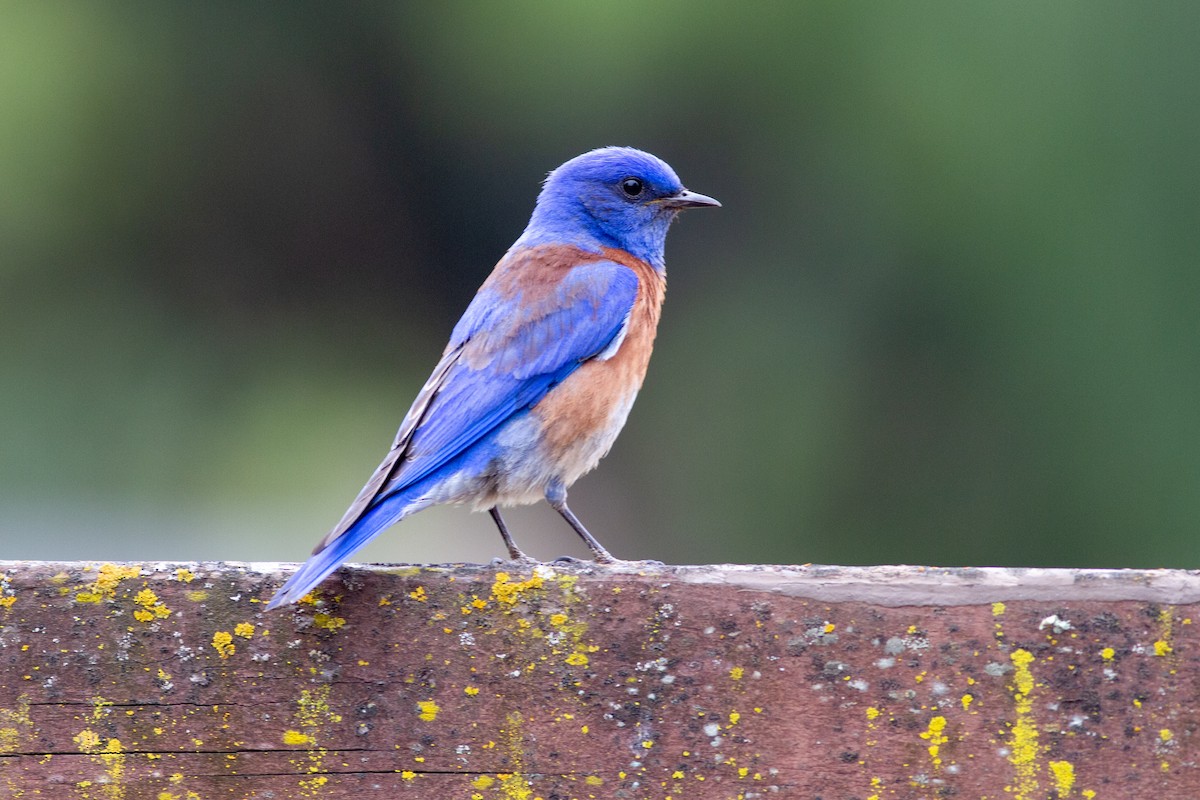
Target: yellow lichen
(313,714)
(483,782)
(418,594)
(197,595)
(577,660)
(427,710)
(87,740)
(1064,777)
(1165,735)
(312,786)
(872,712)
(314,707)
(1022,676)
(222,642)
(1166,619)
(112,756)
(111,575)
(507,591)
(736,673)
(296,738)
(593,780)
(514,786)
(328,621)
(1024,749)
(146,598)
(998,609)
(244,630)
(1108,653)
(151,608)
(967,699)
(185,575)
(107,580)
(470,691)
(13,721)
(935,734)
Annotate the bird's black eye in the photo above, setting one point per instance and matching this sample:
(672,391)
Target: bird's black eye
(632,187)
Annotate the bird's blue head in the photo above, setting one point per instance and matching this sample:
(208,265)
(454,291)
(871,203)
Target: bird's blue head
(611,197)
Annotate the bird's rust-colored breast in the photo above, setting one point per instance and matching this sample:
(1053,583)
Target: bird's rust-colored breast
(585,412)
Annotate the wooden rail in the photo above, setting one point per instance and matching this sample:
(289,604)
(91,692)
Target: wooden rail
(169,682)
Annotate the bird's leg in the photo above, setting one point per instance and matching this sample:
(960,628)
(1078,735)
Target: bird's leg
(556,496)
(514,552)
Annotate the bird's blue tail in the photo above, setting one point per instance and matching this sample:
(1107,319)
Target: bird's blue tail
(376,519)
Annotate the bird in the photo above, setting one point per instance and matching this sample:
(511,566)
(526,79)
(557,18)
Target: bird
(542,369)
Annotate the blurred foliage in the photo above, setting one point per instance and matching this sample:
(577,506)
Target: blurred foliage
(949,313)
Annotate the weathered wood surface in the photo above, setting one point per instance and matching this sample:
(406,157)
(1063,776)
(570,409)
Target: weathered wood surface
(168,681)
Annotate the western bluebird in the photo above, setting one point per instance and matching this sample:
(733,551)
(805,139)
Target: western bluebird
(542,369)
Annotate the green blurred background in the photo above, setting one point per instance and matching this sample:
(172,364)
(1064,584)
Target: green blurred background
(948,315)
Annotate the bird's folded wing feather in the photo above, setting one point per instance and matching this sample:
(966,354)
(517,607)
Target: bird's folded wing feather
(509,349)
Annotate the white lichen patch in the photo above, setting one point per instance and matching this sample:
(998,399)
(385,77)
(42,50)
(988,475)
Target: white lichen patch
(1056,623)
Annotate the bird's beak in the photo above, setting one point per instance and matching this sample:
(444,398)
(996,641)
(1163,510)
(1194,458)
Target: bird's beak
(686,199)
